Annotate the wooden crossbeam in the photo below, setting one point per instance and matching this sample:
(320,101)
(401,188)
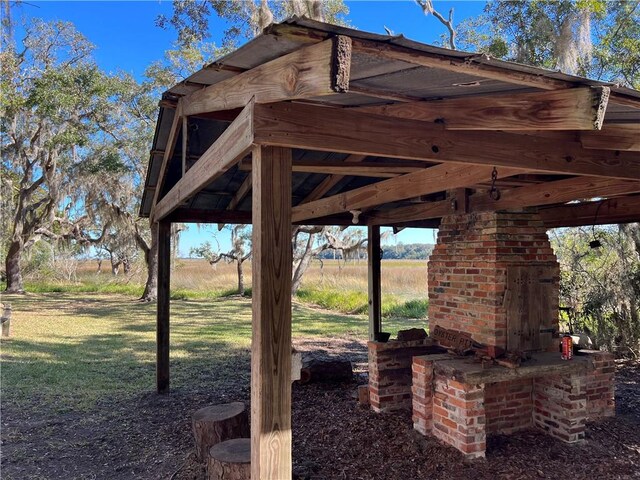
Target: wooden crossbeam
(560,191)
(234,143)
(314,70)
(411,185)
(603,212)
(241,193)
(613,137)
(566,109)
(363,169)
(340,130)
(167,154)
(331,181)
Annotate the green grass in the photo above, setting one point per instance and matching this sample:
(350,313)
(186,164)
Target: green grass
(356,302)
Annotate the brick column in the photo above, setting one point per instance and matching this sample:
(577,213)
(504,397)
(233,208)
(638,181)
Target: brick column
(459,416)
(390,373)
(600,385)
(560,406)
(422,394)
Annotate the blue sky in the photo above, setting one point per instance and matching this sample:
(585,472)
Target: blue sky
(126,38)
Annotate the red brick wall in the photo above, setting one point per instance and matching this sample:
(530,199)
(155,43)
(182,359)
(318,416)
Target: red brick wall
(560,406)
(390,373)
(600,385)
(508,405)
(467,270)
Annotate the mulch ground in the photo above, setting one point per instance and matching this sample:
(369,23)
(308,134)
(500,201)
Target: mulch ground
(149,437)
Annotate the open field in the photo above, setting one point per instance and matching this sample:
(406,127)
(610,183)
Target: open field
(78,400)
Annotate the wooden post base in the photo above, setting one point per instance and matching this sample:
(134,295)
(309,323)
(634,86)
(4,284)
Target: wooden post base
(230,460)
(217,423)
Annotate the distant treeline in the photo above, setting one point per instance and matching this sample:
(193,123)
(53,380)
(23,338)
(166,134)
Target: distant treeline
(410,251)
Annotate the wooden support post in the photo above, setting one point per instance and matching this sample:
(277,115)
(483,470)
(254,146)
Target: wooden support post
(375,291)
(162,329)
(271,323)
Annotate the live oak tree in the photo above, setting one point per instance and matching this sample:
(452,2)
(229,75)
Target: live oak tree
(53,102)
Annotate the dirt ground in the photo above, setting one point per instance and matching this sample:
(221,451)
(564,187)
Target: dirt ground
(149,437)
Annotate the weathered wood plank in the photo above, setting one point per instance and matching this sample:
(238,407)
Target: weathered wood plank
(560,191)
(603,212)
(271,316)
(566,109)
(420,211)
(241,193)
(613,137)
(374,280)
(163,306)
(411,185)
(304,73)
(341,130)
(234,143)
(167,154)
(363,169)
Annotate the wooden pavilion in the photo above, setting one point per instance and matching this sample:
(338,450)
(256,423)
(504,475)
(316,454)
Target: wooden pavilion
(312,123)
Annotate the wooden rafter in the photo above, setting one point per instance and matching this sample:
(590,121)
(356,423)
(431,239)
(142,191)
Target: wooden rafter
(420,211)
(331,181)
(613,137)
(549,193)
(411,185)
(234,143)
(167,154)
(363,169)
(311,71)
(331,129)
(241,193)
(603,212)
(566,109)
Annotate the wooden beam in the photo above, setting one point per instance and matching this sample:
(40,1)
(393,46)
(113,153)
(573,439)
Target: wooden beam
(168,153)
(363,169)
(613,137)
(420,211)
(331,181)
(340,130)
(411,185)
(603,212)
(242,192)
(311,71)
(374,278)
(163,306)
(466,65)
(234,143)
(560,191)
(271,315)
(566,109)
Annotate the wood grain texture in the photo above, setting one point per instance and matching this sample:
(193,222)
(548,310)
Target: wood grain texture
(374,263)
(303,73)
(411,185)
(234,143)
(340,130)
(241,193)
(167,154)
(420,211)
(560,191)
(217,423)
(566,109)
(603,212)
(271,318)
(163,306)
(613,137)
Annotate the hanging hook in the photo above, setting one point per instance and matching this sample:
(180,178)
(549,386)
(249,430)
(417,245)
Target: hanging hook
(494,193)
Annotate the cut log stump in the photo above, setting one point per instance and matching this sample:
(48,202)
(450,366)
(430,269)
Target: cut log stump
(217,423)
(230,460)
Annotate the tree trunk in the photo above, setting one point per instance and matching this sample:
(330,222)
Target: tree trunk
(13,269)
(240,277)
(150,293)
(230,460)
(217,423)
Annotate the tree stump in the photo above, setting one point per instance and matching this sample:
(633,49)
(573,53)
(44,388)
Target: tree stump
(230,460)
(217,423)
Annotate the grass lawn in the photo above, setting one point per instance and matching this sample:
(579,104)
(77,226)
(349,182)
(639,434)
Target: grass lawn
(70,349)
